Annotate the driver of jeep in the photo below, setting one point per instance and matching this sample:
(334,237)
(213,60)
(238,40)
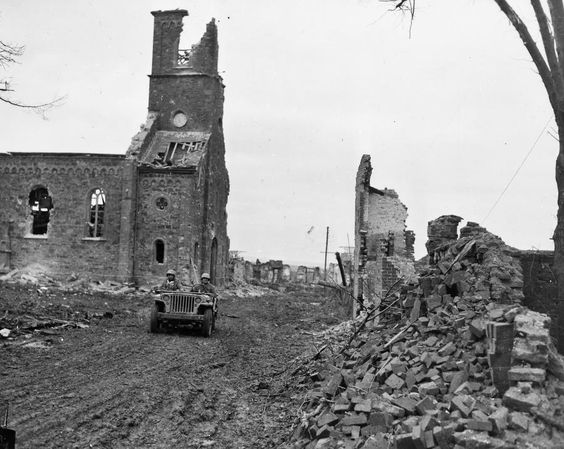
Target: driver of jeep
(205,286)
(170,283)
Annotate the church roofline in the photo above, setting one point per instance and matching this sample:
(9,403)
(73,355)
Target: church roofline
(58,155)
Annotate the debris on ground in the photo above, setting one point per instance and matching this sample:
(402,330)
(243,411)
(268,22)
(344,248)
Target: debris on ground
(463,365)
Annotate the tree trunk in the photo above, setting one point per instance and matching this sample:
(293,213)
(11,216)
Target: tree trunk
(559,233)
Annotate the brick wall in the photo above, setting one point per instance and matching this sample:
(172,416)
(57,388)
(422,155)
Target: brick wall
(540,288)
(380,233)
(169,210)
(69,179)
(183,206)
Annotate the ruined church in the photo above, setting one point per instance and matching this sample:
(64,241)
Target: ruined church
(130,217)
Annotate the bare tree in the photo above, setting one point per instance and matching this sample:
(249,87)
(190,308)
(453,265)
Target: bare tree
(9,55)
(549,61)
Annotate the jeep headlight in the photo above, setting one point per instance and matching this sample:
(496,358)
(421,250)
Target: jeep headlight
(165,297)
(198,300)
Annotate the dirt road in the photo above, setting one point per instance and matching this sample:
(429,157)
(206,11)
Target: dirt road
(114,385)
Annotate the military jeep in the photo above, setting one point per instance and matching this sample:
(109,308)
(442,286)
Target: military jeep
(178,308)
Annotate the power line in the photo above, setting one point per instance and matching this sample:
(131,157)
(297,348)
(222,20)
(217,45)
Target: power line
(518,169)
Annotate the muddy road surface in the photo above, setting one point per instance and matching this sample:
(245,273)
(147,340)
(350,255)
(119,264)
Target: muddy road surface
(109,383)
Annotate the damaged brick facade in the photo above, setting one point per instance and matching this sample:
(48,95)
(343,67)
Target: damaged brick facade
(271,272)
(383,247)
(531,275)
(131,217)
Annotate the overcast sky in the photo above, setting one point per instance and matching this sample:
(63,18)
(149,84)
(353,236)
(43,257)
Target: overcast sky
(448,115)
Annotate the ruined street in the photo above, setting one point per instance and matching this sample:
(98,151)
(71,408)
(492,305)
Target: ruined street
(109,383)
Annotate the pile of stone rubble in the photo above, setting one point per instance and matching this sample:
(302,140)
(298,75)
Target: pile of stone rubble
(35,275)
(462,365)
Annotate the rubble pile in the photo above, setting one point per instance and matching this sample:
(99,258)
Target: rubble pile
(242,289)
(463,366)
(36,275)
(46,319)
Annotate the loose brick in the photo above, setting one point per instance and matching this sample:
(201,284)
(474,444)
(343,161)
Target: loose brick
(457,403)
(417,437)
(483,426)
(444,436)
(323,432)
(428,388)
(515,399)
(327,419)
(518,421)
(333,384)
(458,379)
(364,406)
(499,420)
(477,327)
(518,374)
(354,420)
(404,441)
(395,382)
(424,405)
(406,403)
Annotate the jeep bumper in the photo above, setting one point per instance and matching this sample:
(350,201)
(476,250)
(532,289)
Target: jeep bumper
(180,317)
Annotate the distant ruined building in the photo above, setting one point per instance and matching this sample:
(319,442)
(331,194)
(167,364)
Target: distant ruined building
(131,217)
(384,248)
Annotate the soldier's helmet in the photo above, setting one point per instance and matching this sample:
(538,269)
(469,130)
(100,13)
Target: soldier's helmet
(205,276)
(171,272)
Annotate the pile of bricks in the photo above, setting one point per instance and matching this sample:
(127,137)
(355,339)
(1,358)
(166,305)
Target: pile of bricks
(463,365)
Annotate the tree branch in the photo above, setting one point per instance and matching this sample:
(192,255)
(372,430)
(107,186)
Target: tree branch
(39,108)
(557,16)
(533,50)
(549,49)
(9,53)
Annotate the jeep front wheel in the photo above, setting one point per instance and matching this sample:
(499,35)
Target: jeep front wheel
(207,323)
(154,320)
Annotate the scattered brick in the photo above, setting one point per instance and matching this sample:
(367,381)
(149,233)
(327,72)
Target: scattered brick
(354,420)
(406,403)
(395,382)
(327,419)
(518,421)
(424,405)
(515,399)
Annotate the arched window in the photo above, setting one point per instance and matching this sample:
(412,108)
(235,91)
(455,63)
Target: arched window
(41,204)
(159,251)
(97,204)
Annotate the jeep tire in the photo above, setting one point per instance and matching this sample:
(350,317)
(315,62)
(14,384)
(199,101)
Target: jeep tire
(154,319)
(207,323)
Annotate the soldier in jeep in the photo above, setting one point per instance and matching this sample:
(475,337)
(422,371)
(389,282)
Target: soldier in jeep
(205,286)
(170,284)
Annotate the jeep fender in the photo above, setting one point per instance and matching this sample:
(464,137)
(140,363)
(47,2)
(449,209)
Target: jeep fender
(203,307)
(160,304)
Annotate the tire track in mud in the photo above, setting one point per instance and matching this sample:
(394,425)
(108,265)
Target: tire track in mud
(115,385)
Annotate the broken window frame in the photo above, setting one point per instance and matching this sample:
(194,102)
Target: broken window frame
(183,148)
(40,203)
(95,224)
(183,57)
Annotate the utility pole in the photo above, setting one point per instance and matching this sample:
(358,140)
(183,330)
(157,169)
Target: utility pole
(326,245)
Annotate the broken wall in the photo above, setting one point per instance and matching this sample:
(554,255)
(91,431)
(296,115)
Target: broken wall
(69,179)
(186,95)
(168,211)
(383,247)
(540,287)
(166,198)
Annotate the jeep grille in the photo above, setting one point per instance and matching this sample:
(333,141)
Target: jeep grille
(181,303)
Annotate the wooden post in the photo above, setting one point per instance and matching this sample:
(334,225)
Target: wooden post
(341,269)
(325,265)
